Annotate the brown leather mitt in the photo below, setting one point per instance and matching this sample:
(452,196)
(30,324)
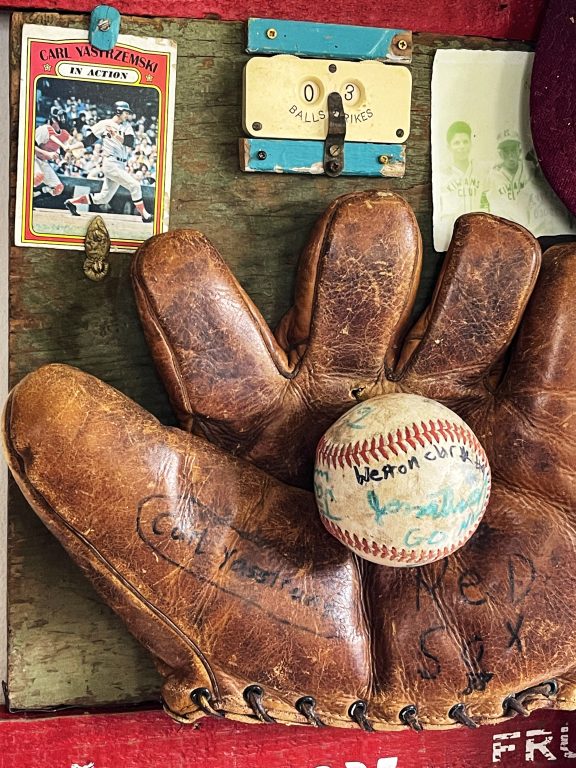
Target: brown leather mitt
(224,572)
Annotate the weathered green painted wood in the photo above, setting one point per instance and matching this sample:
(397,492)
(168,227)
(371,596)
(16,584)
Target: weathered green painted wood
(65,646)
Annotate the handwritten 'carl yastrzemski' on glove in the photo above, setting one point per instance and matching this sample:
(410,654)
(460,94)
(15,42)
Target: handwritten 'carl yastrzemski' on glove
(207,540)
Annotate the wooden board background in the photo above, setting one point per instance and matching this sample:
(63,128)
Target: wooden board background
(65,647)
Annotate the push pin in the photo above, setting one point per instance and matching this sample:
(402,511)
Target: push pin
(104,27)
(97,248)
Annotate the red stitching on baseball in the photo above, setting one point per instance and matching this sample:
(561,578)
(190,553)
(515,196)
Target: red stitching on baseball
(417,435)
(382,448)
(399,441)
(373,450)
(431,431)
(410,439)
(333,454)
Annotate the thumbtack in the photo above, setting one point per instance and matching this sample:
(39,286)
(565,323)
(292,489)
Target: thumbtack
(104,27)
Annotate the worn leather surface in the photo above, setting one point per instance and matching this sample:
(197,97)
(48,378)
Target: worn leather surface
(223,571)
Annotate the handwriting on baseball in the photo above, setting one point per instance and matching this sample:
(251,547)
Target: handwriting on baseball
(389,471)
(324,493)
(357,420)
(437,506)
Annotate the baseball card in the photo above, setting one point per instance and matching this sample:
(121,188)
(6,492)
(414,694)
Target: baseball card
(95,138)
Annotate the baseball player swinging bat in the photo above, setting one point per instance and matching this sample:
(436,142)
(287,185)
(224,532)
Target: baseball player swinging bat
(117,137)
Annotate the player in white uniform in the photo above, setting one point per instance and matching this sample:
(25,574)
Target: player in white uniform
(460,185)
(50,139)
(117,137)
(508,179)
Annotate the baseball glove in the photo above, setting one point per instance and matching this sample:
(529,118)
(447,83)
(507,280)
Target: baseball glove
(206,539)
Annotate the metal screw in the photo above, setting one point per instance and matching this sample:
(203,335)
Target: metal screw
(256,126)
(261,155)
(384,159)
(104,25)
(271,33)
(400,133)
(402,44)
(334,166)
(332,68)
(334,150)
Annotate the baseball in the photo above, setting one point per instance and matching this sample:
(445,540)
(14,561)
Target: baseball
(401,480)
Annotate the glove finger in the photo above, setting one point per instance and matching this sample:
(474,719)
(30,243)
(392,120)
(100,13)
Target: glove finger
(215,353)
(486,281)
(543,364)
(227,376)
(356,284)
(205,557)
(538,394)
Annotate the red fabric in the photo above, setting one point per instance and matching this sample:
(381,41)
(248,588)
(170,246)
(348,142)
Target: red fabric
(513,19)
(553,99)
(145,739)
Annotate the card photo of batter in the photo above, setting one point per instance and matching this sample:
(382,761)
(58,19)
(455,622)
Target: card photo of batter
(95,138)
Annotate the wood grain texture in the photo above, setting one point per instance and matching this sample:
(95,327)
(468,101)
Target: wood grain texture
(65,647)
(511,19)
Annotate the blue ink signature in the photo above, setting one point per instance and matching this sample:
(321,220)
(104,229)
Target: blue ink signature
(439,506)
(359,415)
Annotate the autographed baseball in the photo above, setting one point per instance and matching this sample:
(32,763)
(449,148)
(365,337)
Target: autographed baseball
(401,480)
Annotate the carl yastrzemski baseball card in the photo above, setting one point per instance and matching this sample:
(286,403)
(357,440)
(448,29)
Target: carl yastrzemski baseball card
(95,137)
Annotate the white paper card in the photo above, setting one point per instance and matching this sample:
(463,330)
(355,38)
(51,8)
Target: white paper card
(482,153)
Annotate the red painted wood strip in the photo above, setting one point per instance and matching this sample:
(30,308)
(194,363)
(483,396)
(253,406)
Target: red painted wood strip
(513,19)
(152,739)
